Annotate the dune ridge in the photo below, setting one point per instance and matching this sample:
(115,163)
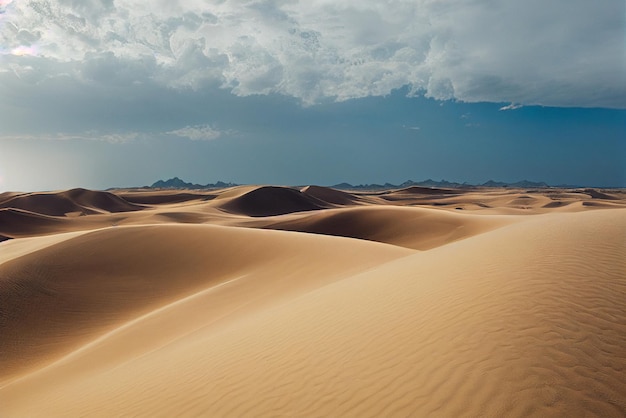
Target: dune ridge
(80,201)
(255,205)
(416,228)
(275,301)
(271,200)
(17,222)
(332,196)
(163,197)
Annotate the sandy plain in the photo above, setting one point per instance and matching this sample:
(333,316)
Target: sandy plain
(309,301)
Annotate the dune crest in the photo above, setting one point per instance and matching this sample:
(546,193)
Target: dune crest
(416,228)
(332,196)
(271,200)
(80,201)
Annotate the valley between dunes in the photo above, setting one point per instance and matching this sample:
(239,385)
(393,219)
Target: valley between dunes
(313,302)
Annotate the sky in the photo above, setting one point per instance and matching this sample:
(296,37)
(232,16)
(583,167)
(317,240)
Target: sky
(121,93)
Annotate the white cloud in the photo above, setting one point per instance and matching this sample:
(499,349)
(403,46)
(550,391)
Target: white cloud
(120,137)
(512,106)
(197,133)
(564,52)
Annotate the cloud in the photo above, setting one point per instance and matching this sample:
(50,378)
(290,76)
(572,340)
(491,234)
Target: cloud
(115,138)
(565,53)
(194,133)
(4,4)
(120,137)
(512,106)
(411,128)
(198,133)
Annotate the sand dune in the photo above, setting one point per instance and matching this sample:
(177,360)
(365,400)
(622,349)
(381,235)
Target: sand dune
(332,196)
(273,301)
(91,276)
(417,228)
(19,222)
(8,195)
(270,200)
(596,194)
(19,247)
(163,197)
(416,190)
(79,201)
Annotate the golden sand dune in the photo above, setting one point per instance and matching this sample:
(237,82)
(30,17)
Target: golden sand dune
(332,196)
(417,228)
(112,275)
(78,201)
(19,222)
(417,190)
(506,201)
(160,197)
(194,306)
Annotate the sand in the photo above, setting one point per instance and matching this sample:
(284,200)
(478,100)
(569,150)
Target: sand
(278,301)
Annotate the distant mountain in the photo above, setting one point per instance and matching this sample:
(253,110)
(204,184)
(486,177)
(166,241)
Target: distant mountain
(343,186)
(518,184)
(348,186)
(176,183)
(434,183)
(571,186)
(440,183)
(526,183)
(491,183)
(408,183)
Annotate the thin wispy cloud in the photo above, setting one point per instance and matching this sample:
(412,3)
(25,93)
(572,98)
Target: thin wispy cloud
(113,138)
(198,133)
(512,106)
(194,133)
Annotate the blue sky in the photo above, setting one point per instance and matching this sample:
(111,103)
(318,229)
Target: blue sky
(104,93)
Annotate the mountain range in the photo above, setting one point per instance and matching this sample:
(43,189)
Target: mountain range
(177,183)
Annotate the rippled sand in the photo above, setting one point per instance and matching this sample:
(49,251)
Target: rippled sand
(276,301)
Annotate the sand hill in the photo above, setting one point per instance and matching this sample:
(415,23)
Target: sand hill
(276,301)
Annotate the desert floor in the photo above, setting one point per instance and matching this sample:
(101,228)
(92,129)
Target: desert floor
(313,302)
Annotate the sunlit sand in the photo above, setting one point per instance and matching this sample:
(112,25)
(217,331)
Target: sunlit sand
(277,301)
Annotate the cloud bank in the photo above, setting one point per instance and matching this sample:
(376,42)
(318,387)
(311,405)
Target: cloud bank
(557,53)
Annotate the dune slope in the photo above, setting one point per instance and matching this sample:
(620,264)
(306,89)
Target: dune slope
(61,296)
(416,228)
(519,321)
(272,200)
(18,222)
(71,201)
